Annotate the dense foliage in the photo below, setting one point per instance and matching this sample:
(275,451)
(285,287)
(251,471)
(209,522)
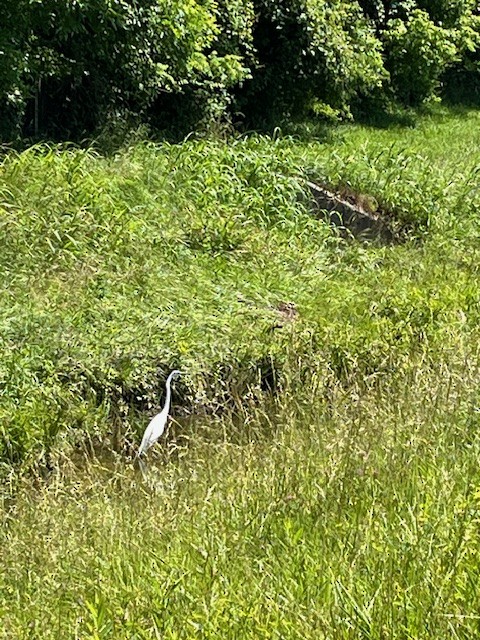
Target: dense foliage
(312,55)
(67,66)
(116,269)
(70,64)
(324,481)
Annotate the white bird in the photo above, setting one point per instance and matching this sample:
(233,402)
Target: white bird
(157,424)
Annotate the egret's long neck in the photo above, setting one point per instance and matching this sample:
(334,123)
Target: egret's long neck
(168,394)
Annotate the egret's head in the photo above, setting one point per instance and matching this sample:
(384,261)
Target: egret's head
(174,374)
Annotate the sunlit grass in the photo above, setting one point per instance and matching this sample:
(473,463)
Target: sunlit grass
(321,478)
(116,269)
(352,517)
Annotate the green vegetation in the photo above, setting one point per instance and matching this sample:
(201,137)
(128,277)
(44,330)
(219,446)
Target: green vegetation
(322,476)
(69,67)
(356,521)
(117,269)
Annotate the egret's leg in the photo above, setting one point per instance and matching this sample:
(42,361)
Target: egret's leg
(143,467)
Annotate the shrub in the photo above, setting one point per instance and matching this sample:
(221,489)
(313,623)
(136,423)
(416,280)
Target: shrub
(462,80)
(313,52)
(447,13)
(417,53)
(205,86)
(12,100)
(68,67)
(72,63)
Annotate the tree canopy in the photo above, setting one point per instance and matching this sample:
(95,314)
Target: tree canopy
(67,66)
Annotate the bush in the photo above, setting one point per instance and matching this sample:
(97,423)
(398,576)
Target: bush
(12,35)
(462,80)
(68,67)
(206,86)
(447,13)
(69,64)
(423,40)
(312,52)
(417,53)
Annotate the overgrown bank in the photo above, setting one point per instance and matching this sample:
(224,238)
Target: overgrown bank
(116,269)
(326,481)
(356,517)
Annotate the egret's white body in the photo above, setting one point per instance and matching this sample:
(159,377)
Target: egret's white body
(157,424)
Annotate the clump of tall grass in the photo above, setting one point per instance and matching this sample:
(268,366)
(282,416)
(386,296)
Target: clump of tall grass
(349,515)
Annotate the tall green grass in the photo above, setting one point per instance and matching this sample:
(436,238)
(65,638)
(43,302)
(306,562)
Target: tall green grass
(355,516)
(321,478)
(115,269)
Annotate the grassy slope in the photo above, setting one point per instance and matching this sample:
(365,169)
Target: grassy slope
(347,508)
(115,270)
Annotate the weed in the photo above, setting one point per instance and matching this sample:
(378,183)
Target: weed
(321,476)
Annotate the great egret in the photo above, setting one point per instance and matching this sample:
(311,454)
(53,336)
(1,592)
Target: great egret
(157,424)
